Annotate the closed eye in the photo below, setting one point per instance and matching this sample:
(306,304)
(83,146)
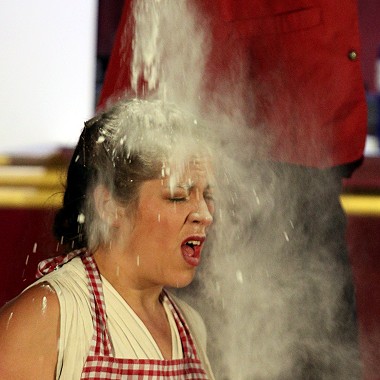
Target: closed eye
(178,199)
(208,197)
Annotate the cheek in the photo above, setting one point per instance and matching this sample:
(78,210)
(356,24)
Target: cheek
(173,214)
(168,223)
(162,223)
(211,208)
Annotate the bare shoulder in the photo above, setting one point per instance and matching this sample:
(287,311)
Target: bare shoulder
(29,329)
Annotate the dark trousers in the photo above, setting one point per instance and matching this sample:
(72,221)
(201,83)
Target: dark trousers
(301,231)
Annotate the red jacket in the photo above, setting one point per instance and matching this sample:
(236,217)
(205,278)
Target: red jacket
(305,87)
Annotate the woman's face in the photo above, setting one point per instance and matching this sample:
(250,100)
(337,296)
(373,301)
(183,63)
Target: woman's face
(170,226)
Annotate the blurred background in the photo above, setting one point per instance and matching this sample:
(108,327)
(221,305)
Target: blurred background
(54,57)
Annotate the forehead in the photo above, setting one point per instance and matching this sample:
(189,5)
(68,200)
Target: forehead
(194,169)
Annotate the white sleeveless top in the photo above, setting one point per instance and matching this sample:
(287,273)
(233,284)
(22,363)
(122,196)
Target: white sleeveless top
(130,338)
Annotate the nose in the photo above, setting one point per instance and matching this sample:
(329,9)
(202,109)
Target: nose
(201,214)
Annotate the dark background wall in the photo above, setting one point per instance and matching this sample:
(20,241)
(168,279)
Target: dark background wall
(369,23)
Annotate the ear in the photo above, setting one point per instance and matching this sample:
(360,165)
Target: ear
(106,206)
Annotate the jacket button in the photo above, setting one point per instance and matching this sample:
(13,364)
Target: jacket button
(352,55)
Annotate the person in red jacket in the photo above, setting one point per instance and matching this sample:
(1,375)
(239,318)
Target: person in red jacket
(304,91)
(304,69)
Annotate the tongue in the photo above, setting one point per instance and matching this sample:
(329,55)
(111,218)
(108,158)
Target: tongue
(187,250)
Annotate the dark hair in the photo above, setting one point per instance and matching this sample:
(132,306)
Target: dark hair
(120,148)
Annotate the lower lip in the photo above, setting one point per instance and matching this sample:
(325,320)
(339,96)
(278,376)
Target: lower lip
(194,259)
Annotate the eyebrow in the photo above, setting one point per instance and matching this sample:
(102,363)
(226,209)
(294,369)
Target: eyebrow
(187,187)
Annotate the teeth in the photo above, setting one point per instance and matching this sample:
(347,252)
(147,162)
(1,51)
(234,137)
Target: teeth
(193,242)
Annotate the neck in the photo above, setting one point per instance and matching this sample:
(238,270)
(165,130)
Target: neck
(120,272)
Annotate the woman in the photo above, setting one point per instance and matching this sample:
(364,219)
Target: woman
(137,208)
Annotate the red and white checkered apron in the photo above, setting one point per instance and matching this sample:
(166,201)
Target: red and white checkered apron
(101,363)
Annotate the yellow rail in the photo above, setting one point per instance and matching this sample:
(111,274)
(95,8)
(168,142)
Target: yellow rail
(41,187)
(365,205)
(31,186)
(37,176)
(30,197)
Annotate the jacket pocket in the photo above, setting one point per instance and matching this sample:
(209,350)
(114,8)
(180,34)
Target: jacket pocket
(300,19)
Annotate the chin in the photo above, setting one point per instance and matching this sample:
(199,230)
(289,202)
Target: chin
(182,280)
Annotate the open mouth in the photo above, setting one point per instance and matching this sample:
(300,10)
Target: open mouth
(191,250)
